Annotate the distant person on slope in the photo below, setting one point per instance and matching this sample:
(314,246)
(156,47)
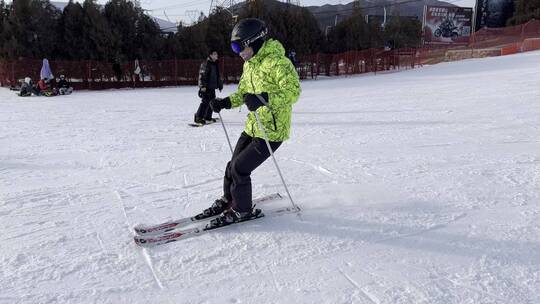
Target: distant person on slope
(45,89)
(64,87)
(270,86)
(209,81)
(27,88)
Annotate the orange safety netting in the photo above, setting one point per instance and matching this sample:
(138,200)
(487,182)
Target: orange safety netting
(487,42)
(97,75)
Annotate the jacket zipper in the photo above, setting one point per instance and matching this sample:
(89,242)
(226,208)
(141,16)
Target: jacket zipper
(253,87)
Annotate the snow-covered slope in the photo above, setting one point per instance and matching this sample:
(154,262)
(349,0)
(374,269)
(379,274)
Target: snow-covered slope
(417,187)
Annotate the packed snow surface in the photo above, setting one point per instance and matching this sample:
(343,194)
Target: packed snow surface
(421,186)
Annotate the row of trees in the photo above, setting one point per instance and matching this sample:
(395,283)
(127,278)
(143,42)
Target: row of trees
(525,10)
(120,31)
(298,30)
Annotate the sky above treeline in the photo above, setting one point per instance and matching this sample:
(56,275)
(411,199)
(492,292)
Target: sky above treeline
(185,10)
(188,10)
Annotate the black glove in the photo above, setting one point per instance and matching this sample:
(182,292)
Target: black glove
(217,104)
(202,94)
(253,102)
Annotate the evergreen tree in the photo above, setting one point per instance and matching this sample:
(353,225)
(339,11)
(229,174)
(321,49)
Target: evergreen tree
(211,32)
(525,10)
(352,34)
(98,38)
(71,43)
(20,37)
(148,40)
(122,19)
(29,29)
(3,23)
(306,37)
(192,41)
(218,31)
(171,47)
(295,27)
(403,32)
(45,28)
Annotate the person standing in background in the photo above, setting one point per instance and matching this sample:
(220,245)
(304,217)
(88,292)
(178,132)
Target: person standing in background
(209,81)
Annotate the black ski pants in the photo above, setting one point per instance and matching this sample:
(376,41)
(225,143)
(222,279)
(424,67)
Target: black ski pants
(249,153)
(204,111)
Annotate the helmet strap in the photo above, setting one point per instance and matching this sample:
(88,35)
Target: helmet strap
(256,45)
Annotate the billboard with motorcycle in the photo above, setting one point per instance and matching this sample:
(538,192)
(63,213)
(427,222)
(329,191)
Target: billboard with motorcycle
(447,25)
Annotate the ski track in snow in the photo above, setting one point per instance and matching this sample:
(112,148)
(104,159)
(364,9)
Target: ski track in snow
(416,187)
(147,257)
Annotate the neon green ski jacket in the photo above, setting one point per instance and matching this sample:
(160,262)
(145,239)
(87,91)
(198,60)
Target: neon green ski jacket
(272,72)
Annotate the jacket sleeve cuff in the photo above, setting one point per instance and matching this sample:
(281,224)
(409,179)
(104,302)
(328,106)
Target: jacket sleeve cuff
(236,100)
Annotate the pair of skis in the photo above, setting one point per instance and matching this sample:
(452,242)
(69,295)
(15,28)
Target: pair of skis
(171,231)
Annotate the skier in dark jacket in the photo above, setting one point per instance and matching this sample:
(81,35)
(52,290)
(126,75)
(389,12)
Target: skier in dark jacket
(209,81)
(64,87)
(269,86)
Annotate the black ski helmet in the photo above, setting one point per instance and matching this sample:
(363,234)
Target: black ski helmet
(246,32)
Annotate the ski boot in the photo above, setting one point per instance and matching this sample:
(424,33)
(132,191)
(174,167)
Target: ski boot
(199,120)
(219,205)
(230,216)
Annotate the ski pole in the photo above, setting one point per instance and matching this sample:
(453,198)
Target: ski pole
(261,127)
(226,134)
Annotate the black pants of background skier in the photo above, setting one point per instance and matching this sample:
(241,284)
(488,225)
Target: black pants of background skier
(204,111)
(248,154)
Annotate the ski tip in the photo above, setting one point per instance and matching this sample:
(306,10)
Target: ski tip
(140,242)
(137,227)
(140,229)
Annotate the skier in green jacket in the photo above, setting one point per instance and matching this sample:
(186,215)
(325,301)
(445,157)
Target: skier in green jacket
(269,86)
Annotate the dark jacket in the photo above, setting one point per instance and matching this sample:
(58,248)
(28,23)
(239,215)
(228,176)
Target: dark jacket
(26,89)
(63,84)
(209,76)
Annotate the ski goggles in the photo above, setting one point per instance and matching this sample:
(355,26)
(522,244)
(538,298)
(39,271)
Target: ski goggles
(238,46)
